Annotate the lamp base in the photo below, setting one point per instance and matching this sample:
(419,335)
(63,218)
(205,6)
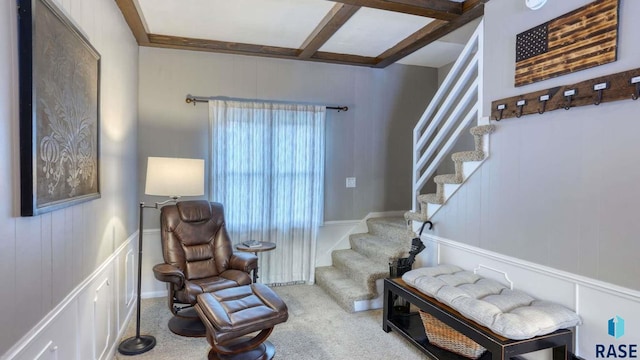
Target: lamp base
(137,345)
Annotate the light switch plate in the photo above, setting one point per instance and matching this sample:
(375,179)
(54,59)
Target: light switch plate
(351,182)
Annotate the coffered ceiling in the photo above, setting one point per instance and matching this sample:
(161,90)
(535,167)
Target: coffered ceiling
(374,33)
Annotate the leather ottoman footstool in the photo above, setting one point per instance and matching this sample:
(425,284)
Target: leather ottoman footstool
(231,313)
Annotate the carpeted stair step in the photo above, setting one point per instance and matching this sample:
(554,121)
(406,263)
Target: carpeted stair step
(360,268)
(379,249)
(416,216)
(463,156)
(448,179)
(478,133)
(431,198)
(392,228)
(342,289)
(482,130)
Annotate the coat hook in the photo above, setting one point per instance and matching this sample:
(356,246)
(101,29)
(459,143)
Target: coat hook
(543,100)
(636,80)
(520,104)
(599,87)
(501,107)
(569,96)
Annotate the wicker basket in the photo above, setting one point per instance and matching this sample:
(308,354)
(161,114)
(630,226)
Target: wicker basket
(443,336)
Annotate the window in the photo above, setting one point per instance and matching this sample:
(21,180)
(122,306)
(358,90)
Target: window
(268,171)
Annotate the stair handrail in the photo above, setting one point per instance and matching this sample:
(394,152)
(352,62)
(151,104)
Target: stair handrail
(460,85)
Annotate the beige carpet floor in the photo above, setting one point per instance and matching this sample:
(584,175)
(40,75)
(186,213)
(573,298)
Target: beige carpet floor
(317,329)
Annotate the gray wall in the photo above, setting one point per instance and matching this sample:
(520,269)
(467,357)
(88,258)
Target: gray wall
(43,258)
(371,141)
(443,71)
(560,189)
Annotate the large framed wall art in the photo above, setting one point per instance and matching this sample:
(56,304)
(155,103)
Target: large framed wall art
(59,110)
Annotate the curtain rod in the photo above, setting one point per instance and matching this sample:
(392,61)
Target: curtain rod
(196,99)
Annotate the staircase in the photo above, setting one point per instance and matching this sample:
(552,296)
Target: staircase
(456,104)
(355,278)
(356,275)
(466,162)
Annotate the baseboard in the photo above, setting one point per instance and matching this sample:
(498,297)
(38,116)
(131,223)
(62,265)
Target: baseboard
(340,222)
(153,294)
(392,213)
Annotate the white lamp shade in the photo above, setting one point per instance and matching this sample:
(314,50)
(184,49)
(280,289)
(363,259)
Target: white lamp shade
(174,177)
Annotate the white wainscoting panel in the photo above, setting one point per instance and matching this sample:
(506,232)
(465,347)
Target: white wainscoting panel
(54,341)
(93,310)
(48,352)
(595,301)
(102,315)
(89,321)
(130,280)
(126,267)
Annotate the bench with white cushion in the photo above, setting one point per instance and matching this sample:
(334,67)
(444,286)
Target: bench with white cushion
(506,322)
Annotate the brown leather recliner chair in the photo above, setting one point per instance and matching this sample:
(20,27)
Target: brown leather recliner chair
(199,258)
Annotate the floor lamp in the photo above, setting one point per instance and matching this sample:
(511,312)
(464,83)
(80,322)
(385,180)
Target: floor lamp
(173,177)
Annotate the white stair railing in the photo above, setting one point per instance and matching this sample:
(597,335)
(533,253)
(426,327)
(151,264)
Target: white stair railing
(451,110)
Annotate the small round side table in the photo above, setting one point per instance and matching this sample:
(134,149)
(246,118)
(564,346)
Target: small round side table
(264,246)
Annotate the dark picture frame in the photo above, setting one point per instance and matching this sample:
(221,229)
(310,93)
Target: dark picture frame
(59,110)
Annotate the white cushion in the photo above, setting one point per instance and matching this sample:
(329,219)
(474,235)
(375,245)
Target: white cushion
(510,313)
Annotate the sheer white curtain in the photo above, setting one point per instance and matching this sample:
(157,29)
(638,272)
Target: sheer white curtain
(268,171)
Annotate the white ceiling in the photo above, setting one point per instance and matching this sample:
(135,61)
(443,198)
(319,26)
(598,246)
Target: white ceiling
(288,23)
(371,31)
(284,23)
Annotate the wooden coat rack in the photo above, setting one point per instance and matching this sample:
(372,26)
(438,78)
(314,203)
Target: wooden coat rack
(620,86)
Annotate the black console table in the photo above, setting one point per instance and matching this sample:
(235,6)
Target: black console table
(409,325)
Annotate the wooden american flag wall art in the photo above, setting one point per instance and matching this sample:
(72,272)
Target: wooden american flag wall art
(583,38)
